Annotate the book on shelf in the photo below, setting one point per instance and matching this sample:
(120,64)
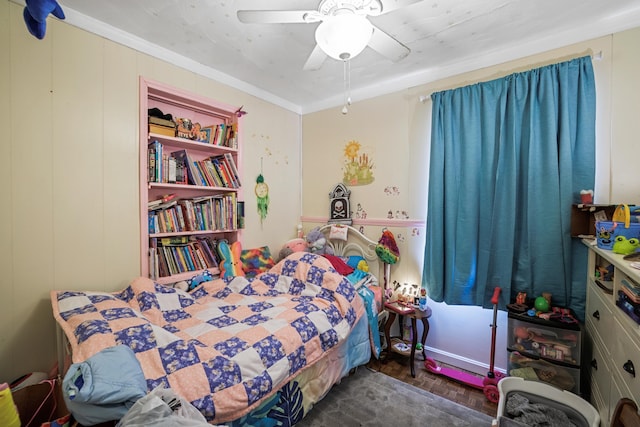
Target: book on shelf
(194,177)
(234,169)
(240,209)
(151,161)
(209,247)
(171,170)
(195,254)
(213,172)
(204,177)
(155,161)
(174,240)
(162,130)
(162,205)
(219,161)
(187,256)
(162,122)
(232,138)
(219,136)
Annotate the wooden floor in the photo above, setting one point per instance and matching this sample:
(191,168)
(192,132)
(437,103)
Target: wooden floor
(398,367)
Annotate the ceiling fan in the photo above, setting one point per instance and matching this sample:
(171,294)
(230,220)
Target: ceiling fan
(344,29)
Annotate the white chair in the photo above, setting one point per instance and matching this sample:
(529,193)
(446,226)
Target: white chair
(579,411)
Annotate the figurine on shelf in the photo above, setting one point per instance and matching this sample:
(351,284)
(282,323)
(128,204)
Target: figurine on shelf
(422,302)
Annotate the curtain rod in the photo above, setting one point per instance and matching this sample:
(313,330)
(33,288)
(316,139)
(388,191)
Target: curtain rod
(597,56)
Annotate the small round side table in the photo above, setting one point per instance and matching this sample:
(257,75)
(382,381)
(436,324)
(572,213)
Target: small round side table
(413,315)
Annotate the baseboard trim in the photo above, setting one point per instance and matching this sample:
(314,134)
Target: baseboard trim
(465,363)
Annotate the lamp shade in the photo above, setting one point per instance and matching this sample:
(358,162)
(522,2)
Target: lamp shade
(344,36)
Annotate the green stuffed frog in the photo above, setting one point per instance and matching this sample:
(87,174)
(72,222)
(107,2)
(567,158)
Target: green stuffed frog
(625,247)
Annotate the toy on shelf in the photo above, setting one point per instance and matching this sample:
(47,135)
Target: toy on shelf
(541,304)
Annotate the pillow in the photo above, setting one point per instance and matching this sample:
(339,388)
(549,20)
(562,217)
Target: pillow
(230,264)
(358,263)
(257,260)
(338,232)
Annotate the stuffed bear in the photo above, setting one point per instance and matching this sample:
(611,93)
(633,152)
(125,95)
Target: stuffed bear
(318,242)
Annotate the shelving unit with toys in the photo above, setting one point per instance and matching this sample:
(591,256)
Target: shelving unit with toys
(546,350)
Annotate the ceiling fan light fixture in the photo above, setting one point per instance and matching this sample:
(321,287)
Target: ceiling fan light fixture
(344,36)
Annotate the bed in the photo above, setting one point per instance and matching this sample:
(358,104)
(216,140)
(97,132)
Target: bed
(242,351)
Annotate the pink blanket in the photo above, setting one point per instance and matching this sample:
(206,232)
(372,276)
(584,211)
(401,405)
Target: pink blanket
(227,345)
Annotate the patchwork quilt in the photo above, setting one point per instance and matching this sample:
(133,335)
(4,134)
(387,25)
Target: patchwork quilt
(230,343)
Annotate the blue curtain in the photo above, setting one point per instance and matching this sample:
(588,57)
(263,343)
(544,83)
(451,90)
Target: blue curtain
(508,158)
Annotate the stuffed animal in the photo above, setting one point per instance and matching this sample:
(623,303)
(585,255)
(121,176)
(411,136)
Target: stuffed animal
(318,242)
(293,245)
(35,15)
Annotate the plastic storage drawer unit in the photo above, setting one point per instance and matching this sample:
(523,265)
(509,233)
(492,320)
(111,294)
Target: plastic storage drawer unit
(543,350)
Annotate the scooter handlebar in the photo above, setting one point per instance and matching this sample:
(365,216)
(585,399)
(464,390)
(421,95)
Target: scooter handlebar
(496,295)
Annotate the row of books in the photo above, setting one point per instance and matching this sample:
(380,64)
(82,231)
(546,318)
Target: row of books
(209,213)
(180,168)
(174,255)
(225,135)
(222,134)
(164,167)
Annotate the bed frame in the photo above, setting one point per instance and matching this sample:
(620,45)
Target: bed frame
(359,244)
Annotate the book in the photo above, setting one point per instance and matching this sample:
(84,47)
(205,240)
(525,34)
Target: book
(226,180)
(197,251)
(193,175)
(164,199)
(240,209)
(204,178)
(209,249)
(232,164)
(214,174)
(162,122)
(151,175)
(171,166)
(155,157)
(163,205)
(187,257)
(162,130)
(220,134)
(232,141)
(174,240)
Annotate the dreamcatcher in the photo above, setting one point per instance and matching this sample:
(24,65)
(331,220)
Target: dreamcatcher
(262,195)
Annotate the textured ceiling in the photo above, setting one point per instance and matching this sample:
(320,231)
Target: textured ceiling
(445,37)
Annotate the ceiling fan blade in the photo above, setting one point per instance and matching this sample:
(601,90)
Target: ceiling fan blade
(315,60)
(275,16)
(389,5)
(387,46)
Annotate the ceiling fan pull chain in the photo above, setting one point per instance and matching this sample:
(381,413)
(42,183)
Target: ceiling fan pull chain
(349,81)
(347,101)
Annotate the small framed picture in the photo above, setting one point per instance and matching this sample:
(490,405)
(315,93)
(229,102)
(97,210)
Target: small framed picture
(205,134)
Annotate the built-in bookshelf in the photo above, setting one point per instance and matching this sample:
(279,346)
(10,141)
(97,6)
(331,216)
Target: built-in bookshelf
(190,181)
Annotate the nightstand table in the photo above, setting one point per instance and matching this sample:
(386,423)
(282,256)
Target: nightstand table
(395,344)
